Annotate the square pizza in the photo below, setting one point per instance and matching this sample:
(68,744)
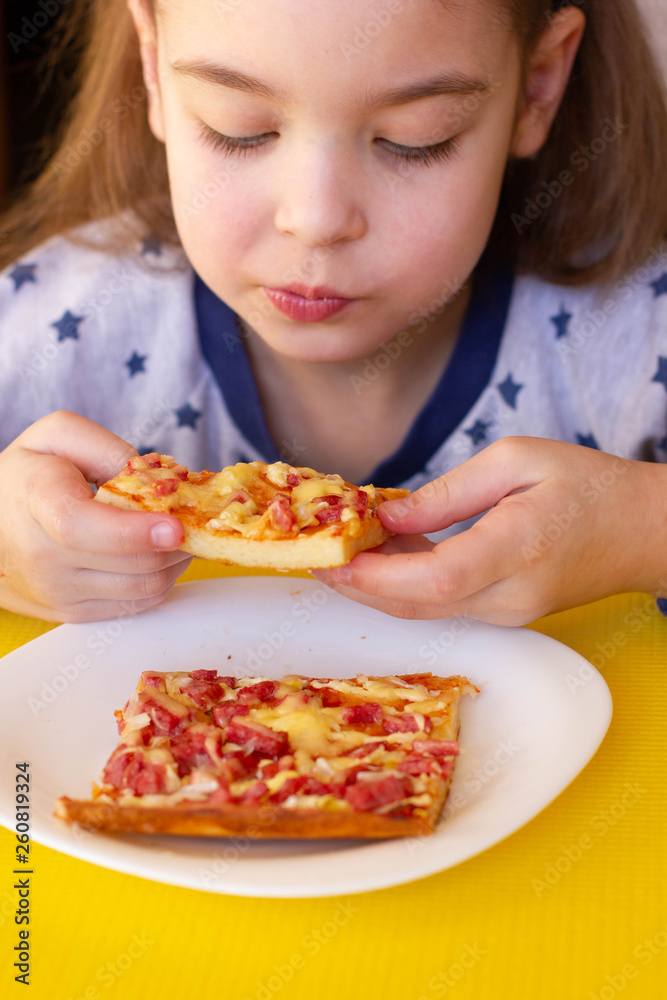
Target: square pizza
(207,754)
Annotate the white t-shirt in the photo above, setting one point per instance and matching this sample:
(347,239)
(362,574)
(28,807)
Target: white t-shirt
(138,344)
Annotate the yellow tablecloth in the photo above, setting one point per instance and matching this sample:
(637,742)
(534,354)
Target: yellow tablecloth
(571,906)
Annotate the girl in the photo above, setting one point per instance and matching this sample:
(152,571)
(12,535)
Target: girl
(387,239)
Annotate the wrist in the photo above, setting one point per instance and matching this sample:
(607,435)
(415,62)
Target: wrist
(650,519)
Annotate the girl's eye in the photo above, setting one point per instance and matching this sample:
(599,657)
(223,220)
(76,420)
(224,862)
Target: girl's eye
(413,154)
(424,154)
(228,144)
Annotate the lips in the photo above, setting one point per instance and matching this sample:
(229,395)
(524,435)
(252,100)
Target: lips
(307,304)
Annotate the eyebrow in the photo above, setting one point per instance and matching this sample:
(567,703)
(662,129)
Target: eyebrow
(452,85)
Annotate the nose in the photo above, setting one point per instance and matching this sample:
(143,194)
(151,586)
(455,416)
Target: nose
(320,197)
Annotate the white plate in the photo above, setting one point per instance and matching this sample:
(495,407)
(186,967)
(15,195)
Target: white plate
(542,714)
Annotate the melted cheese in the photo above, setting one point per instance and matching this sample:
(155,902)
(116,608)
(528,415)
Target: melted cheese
(414,800)
(329,802)
(369,690)
(311,489)
(278,473)
(241,476)
(305,725)
(273,784)
(249,517)
(431,705)
(136,722)
(312,729)
(316,732)
(236,516)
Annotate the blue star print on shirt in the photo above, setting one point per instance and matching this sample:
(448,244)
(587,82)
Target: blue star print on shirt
(187,416)
(561,321)
(588,441)
(661,374)
(659,286)
(509,390)
(477,432)
(136,363)
(68,326)
(23,273)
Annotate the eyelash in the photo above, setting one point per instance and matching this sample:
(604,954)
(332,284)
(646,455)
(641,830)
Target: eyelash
(421,154)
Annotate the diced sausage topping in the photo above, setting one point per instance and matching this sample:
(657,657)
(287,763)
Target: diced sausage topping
(370,711)
(367,795)
(439,748)
(256,738)
(205,675)
(224,713)
(283,516)
(166,713)
(257,692)
(164,487)
(329,514)
(235,739)
(408,722)
(204,693)
(153,680)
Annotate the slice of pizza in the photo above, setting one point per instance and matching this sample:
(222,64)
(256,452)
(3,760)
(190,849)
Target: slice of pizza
(253,514)
(202,754)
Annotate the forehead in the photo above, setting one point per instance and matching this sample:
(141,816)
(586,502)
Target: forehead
(346,53)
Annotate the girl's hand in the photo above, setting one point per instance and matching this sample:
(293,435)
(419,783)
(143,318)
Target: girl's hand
(564,525)
(64,556)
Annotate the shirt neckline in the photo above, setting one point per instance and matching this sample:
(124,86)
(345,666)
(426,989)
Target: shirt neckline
(464,379)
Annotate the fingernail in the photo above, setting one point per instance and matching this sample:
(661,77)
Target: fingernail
(163,535)
(340,574)
(399,508)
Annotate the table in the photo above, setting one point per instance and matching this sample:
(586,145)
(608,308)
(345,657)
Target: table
(571,907)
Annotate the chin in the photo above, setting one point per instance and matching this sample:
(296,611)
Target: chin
(317,350)
(323,357)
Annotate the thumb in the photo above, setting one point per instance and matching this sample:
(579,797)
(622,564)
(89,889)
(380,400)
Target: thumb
(97,452)
(469,489)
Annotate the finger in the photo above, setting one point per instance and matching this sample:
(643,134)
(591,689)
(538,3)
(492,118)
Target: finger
(88,610)
(508,602)
(452,570)
(398,608)
(125,587)
(405,543)
(468,490)
(72,518)
(133,562)
(100,610)
(393,545)
(97,452)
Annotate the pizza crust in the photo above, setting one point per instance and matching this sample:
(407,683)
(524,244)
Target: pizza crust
(244,821)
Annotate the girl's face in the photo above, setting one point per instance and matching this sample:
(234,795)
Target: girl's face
(367,141)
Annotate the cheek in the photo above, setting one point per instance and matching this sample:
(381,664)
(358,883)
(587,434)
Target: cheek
(213,202)
(446,229)
(215,209)
(449,220)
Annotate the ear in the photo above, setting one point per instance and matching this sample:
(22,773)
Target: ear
(144,22)
(547,74)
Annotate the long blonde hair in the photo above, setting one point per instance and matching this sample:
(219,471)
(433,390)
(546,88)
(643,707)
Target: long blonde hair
(105,159)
